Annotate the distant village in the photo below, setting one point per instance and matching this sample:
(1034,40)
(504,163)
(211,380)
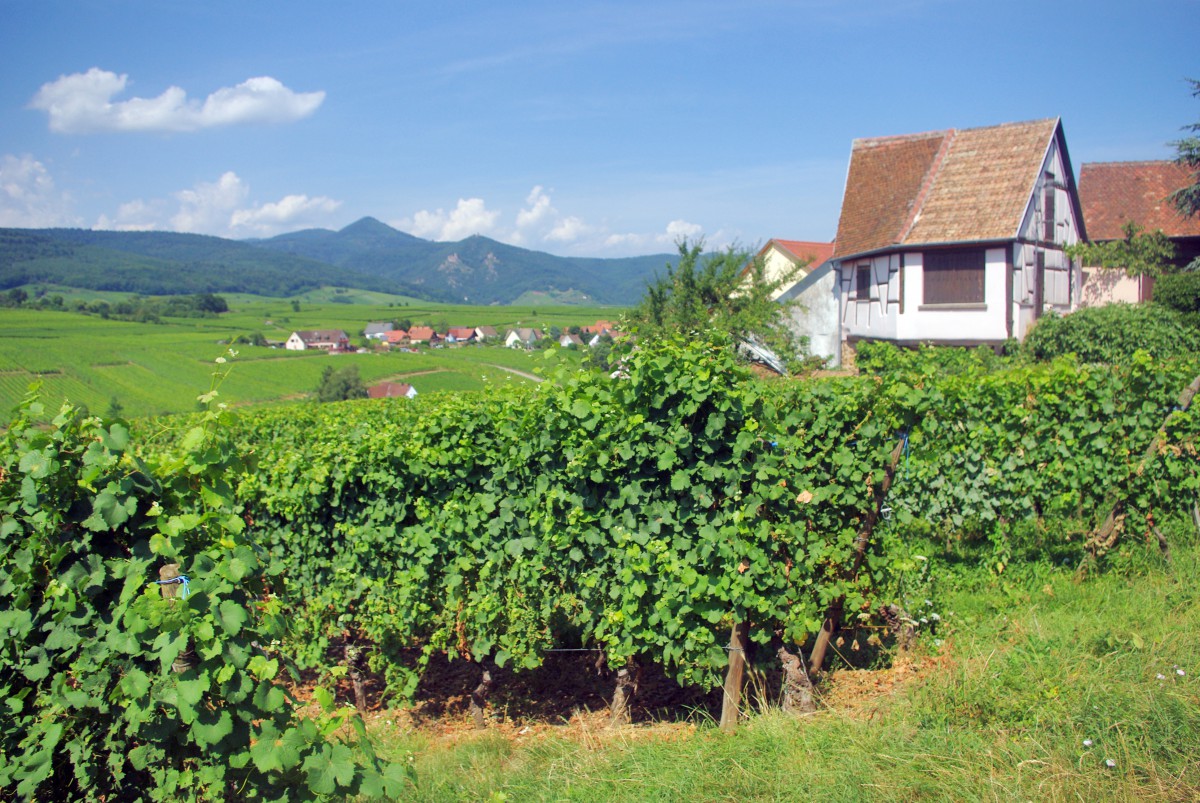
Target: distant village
(386,336)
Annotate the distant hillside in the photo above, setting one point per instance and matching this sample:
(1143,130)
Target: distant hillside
(477,270)
(165,263)
(366,255)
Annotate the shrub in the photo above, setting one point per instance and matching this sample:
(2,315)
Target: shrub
(1111,334)
(1181,292)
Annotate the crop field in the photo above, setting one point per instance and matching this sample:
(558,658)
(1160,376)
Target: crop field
(160,368)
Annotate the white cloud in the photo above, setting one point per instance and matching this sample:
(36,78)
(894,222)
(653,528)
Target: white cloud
(220,208)
(28,196)
(82,103)
(568,230)
(471,216)
(209,208)
(136,215)
(537,209)
(680,229)
(288,212)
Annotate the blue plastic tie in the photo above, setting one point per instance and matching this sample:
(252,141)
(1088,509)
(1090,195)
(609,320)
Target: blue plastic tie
(181,580)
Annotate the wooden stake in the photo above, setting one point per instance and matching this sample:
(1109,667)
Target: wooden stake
(479,697)
(732,700)
(797,688)
(622,705)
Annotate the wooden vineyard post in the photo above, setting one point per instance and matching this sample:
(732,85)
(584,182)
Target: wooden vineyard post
(797,688)
(627,683)
(169,586)
(352,654)
(479,696)
(833,616)
(732,698)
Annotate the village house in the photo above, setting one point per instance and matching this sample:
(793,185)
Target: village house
(377,330)
(330,340)
(484,334)
(397,337)
(957,237)
(423,334)
(392,390)
(810,291)
(1116,193)
(460,334)
(522,338)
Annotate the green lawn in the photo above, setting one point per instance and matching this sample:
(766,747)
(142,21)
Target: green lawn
(154,369)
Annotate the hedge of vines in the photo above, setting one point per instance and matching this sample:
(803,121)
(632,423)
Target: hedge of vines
(645,514)
(113,691)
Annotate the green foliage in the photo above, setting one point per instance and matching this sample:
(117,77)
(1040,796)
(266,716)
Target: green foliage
(715,291)
(113,691)
(1140,253)
(1181,292)
(340,384)
(1111,334)
(1187,151)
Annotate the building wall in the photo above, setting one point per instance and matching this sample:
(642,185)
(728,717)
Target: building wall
(814,313)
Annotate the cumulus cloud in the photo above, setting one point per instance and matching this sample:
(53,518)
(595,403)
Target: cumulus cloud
(471,216)
(82,103)
(289,211)
(220,208)
(537,208)
(568,230)
(28,196)
(208,208)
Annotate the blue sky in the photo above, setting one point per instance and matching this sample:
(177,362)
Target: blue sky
(581,128)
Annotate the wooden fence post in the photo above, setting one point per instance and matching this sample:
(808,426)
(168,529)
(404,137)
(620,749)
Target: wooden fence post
(732,699)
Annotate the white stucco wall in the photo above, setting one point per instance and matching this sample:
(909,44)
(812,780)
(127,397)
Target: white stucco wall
(814,313)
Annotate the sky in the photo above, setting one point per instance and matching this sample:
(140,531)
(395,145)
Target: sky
(578,128)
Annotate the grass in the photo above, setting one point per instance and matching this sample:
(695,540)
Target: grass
(1041,679)
(155,369)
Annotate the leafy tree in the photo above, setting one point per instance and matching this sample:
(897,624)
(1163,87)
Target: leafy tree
(1140,253)
(340,385)
(1181,292)
(207,302)
(717,291)
(1187,152)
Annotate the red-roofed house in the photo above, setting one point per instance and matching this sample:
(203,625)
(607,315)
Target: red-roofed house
(460,334)
(809,286)
(1116,193)
(958,236)
(392,390)
(423,334)
(397,337)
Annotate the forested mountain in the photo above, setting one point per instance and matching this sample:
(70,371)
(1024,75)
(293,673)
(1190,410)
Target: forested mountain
(164,263)
(367,254)
(477,270)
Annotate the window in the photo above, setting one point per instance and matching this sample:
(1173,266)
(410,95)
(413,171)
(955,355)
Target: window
(862,283)
(954,276)
(1049,228)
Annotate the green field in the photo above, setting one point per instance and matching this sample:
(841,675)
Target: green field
(155,369)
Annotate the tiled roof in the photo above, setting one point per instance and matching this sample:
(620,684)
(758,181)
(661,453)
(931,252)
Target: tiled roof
(389,390)
(322,335)
(421,333)
(943,186)
(1113,193)
(816,253)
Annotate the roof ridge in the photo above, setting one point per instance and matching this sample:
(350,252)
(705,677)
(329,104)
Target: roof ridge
(1132,162)
(927,183)
(886,140)
(1012,124)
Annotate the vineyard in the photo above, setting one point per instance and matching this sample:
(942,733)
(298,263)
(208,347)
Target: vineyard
(678,514)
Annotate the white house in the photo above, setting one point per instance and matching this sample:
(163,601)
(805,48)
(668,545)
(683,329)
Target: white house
(810,291)
(957,237)
(522,338)
(326,339)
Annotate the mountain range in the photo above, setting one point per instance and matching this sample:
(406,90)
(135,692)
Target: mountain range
(367,255)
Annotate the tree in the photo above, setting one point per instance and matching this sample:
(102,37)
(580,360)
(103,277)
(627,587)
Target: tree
(340,385)
(1187,152)
(726,290)
(1141,253)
